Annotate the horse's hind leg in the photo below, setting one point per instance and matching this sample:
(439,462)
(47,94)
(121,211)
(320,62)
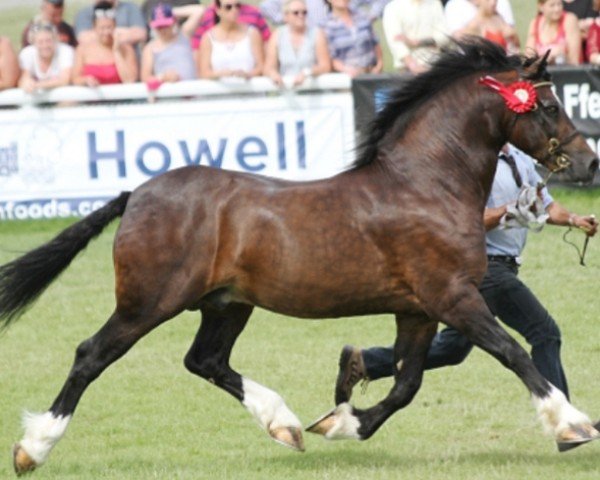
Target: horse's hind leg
(209,358)
(414,335)
(43,431)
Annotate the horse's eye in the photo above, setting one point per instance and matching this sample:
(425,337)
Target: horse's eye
(552,110)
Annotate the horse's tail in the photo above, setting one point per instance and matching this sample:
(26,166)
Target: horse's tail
(26,278)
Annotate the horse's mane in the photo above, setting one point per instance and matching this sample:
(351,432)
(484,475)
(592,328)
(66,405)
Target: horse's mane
(458,60)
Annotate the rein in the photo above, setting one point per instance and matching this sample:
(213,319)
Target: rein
(580,253)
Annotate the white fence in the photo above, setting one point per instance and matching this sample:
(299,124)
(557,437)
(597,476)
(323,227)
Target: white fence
(66,151)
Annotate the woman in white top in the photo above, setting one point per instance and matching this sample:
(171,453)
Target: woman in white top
(46,63)
(294,51)
(230,49)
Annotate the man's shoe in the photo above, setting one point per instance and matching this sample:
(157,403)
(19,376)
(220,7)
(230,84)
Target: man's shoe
(352,370)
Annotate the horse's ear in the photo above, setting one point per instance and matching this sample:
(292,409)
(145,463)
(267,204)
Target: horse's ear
(537,68)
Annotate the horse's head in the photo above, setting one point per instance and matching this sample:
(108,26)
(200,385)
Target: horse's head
(541,127)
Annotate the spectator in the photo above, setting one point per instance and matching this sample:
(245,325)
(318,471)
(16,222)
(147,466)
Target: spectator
(458,14)
(317,10)
(414,31)
(555,30)
(248,15)
(51,11)
(593,39)
(130,23)
(231,48)
(584,11)
(353,45)
(46,63)
(105,58)
(169,57)
(489,24)
(294,50)
(9,65)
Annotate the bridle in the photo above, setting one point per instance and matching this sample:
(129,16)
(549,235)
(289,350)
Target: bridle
(521,97)
(555,145)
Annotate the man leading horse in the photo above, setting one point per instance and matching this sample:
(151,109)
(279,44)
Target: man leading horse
(509,214)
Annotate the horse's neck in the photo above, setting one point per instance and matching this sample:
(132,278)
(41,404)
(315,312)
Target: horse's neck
(458,153)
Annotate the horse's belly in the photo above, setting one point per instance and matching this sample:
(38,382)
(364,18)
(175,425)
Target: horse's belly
(328,301)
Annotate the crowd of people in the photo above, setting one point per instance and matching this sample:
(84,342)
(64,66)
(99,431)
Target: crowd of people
(118,41)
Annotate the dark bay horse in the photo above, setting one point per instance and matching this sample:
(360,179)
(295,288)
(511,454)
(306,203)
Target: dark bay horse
(399,233)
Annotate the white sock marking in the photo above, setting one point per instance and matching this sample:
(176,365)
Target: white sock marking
(345,425)
(42,432)
(267,407)
(556,413)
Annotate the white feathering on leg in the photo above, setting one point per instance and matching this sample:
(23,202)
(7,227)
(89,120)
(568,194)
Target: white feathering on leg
(42,432)
(556,413)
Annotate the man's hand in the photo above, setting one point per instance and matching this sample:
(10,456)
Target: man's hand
(588,223)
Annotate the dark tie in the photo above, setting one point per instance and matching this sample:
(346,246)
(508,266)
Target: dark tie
(510,161)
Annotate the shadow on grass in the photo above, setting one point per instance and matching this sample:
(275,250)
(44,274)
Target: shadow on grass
(354,458)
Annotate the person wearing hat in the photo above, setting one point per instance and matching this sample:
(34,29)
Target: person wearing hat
(130,23)
(51,11)
(168,57)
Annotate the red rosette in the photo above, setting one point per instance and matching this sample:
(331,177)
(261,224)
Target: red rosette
(520,96)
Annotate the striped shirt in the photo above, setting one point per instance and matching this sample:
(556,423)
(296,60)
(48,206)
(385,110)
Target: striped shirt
(249,15)
(353,46)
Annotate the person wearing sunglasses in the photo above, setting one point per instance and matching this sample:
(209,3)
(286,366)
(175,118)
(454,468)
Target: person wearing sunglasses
(51,11)
(9,65)
(296,52)
(318,10)
(248,15)
(130,23)
(353,45)
(105,59)
(46,63)
(231,49)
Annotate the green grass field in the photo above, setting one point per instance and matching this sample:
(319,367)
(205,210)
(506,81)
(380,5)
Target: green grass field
(148,418)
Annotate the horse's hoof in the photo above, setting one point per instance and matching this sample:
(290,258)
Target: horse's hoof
(22,462)
(323,424)
(577,435)
(289,437)
(340,423)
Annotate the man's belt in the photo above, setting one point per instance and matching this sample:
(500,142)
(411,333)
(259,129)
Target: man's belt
(504,259)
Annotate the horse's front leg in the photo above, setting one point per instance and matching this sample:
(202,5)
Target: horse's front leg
(209,358)
(414,335)
(467,312)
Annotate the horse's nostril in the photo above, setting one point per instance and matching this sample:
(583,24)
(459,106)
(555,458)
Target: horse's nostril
(594,166)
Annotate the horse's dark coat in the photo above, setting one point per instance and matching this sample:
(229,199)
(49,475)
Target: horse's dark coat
(400,233)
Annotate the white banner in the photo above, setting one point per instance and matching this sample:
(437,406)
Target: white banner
(65,161)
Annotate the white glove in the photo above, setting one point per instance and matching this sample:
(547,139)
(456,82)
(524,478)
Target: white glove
(527,211)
